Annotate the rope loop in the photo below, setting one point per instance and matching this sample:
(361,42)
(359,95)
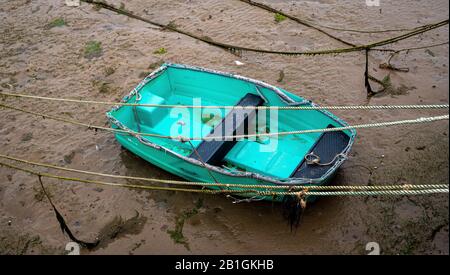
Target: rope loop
(314,159)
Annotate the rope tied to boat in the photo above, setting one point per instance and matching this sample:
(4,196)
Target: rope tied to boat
(305,108)
(260,190)
(287,186)
(302,198)
(313,159)
(140,135)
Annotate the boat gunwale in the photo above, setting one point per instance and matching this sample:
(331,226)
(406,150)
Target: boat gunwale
(285,97)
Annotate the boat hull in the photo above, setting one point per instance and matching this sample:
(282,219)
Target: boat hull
(194,170)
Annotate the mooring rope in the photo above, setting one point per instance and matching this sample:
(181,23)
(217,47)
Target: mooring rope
(236,48)
(342,107)
(298,20)
(242,191)
(315,25)
(363,31)
(388,64)
(297,132)
(378,193)
(216,184)
(62,223)
(421,47)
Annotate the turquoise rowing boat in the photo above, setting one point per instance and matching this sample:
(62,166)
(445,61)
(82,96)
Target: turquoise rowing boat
(209,126)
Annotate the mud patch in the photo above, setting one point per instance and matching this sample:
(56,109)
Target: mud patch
(118,228)
(21,244)
(388,88)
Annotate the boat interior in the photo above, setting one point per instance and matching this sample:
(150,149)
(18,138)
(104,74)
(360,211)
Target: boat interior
(279,156)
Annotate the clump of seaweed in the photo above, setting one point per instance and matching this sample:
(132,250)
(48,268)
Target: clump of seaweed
(155,65)
(109,71)
(39,194)
(102,86)
(119,227)
(93,49)
(57,22)
(177,233)
(160,51)
(279,17)
(172,25)
(388,88)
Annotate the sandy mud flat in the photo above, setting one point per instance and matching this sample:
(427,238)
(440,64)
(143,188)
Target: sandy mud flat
(49,49)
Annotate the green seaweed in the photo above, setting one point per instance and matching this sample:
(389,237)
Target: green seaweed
(155,65)
(57,22)
(279,17)
(160,51)
(177,233)
(119,227)
(93,49)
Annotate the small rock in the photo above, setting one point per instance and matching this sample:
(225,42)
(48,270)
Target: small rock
(27,137)
(430,52)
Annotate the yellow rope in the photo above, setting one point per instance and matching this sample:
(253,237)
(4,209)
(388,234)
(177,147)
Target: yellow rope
(176,182)
(299,132)
(350,107)
(242,191)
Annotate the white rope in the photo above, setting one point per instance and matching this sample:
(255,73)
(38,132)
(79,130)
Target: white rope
(343,128)
(379,193)
(242,191)
(182,138)
(350,107)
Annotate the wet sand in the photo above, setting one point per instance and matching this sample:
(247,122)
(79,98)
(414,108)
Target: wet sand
(39,59)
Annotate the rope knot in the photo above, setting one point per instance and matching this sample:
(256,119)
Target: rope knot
(183,139)
(302,198)
(407,186)
(312,159)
